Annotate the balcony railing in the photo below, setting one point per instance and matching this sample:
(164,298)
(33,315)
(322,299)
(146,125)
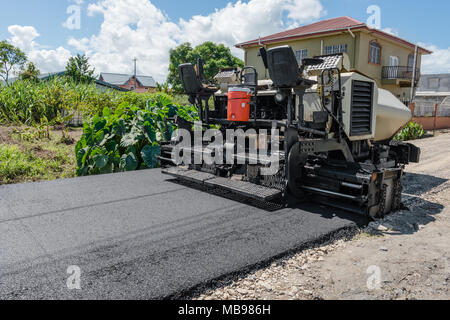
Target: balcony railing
(399,72)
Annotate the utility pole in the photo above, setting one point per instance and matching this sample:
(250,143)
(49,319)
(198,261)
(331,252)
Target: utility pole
(135,81)
(414,75)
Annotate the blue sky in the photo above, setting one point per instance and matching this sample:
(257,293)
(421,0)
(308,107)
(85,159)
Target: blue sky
(416,21)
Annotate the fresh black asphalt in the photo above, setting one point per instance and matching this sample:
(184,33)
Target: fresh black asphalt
(139,235)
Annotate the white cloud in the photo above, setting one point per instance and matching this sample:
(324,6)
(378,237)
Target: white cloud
(246,21)
(437,62)
(304,10)
(81,45)
(50,60)
(46,60)
(131,28)
(23,36)
(390,31)
(136,28)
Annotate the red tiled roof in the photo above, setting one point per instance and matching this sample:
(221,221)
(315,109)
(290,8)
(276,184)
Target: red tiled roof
(323,27)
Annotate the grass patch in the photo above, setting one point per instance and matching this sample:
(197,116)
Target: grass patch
(24,159)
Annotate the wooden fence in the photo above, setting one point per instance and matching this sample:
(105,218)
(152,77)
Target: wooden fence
(77,119)
(432,117)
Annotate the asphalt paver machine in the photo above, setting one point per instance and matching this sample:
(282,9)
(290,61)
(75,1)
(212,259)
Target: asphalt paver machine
(328,134)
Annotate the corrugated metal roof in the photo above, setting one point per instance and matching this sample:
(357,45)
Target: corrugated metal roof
(121,79)
(321,26)
(115,78)
(441,82)
(325,26)
(43,76)
(146,81)
(48,76)
(109,85)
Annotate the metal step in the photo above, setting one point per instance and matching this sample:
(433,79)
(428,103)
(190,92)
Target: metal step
(190,175)
(247,189)
(244,188)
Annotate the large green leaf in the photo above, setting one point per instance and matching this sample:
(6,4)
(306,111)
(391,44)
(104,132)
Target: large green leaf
(119,127)
(172,111)
(128,162)
(88,134)
(111,145)
(100,125)
(109,168)
(125,133)
(131,138)
(106,112)
(82,171)
(80,145)
(107,138)
(101,161)
(82,156)
(149,155)
(150,132)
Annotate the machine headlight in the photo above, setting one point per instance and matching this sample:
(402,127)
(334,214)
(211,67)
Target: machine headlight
(279,97)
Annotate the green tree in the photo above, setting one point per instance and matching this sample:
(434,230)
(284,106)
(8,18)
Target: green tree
(214,56)
(79,70)
(11,57)
(30,72)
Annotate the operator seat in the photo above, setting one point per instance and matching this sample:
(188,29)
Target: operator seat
(192,84)
(250,79)
(284,69)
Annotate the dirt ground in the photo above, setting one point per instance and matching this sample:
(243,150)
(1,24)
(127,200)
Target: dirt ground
(404,256)
(6,133)
(39,157)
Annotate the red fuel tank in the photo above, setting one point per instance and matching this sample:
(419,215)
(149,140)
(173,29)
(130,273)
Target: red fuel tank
(239,104)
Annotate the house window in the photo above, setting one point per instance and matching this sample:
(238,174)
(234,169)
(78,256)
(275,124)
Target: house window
(301,54)
(374,53)
(410,62)
(393,67)
(338,48)
(433,83)
(393,61)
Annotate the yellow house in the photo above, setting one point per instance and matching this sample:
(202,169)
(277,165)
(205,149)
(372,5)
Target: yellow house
(386,58)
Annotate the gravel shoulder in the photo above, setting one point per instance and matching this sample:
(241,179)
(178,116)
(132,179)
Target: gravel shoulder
(404,256)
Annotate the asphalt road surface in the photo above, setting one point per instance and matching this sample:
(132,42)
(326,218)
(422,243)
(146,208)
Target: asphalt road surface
(139,235)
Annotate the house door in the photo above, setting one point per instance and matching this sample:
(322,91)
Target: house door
(393,67)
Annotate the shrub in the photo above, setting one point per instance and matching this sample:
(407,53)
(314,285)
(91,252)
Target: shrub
(13,163)
(128,137)
(27,102)
(411,131)
(16,165)
(26,161)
